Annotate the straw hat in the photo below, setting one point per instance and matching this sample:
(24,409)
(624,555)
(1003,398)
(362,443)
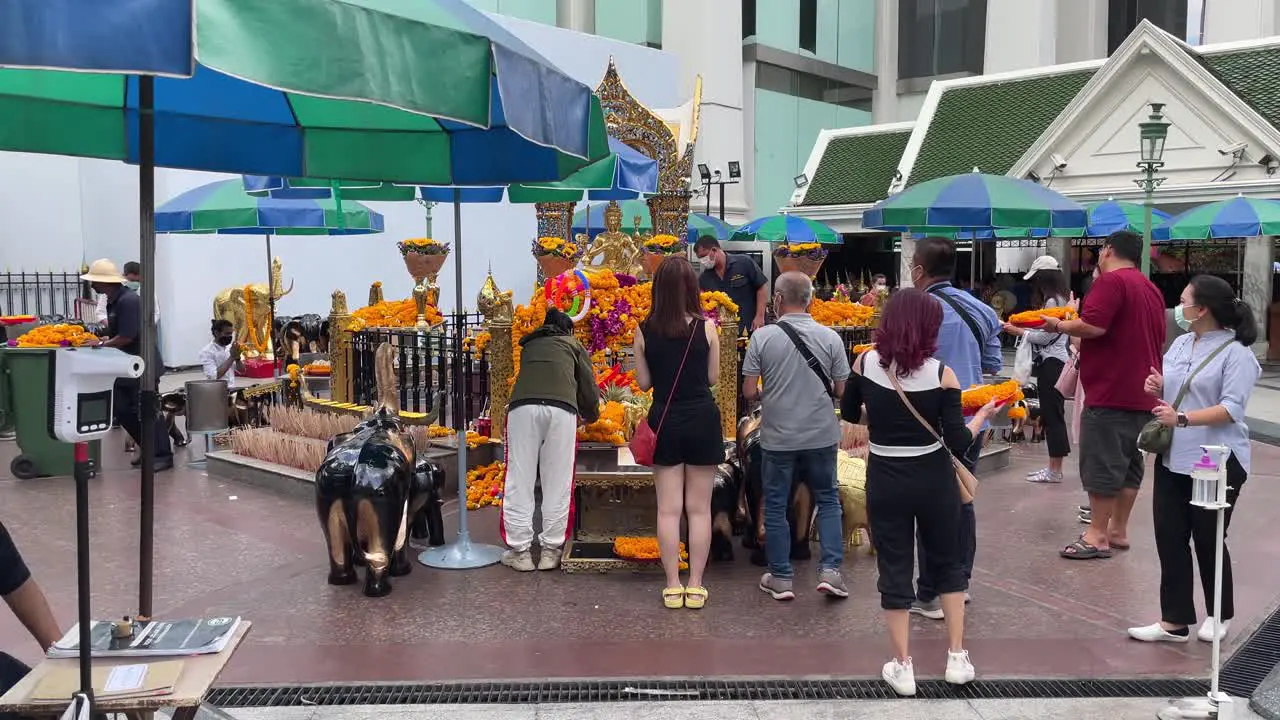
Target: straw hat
(103,271)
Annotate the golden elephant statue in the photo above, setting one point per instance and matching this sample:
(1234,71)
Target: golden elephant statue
(249,310)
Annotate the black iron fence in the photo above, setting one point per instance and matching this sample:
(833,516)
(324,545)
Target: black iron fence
(47,295)
(429,364)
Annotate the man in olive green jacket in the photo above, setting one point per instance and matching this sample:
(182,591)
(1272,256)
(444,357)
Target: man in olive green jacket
(555,387)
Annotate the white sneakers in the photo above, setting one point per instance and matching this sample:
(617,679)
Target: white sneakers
(1156,633)
(518,560)
(901,675)
(549,558)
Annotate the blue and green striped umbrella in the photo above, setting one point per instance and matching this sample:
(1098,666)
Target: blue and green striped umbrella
(223,208)
(976,202)
(788,229)
(1238,217)
(1110,216)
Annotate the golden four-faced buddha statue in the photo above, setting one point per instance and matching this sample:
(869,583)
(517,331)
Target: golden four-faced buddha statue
(617,250)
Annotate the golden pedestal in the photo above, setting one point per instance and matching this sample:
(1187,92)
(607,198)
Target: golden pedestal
(340,380)
(726,391)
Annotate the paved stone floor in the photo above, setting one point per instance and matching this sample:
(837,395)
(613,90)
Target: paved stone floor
(233,549)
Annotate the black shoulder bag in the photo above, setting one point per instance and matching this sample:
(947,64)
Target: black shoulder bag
(809,358)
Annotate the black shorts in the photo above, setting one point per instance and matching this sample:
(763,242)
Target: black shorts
(1110,460)
(690,435)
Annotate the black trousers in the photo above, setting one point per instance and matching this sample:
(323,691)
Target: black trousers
(11,671)
(1053,407)
(967,539)
(1180,527)
(127,399)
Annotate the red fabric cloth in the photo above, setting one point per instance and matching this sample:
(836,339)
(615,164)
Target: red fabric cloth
(1114,366)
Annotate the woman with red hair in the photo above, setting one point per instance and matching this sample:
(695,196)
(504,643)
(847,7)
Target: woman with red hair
(911,481)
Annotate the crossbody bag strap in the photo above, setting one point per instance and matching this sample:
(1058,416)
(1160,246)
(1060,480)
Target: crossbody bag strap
(809,358)
(667,405)
(964,315)
(893,378)
(1186,384)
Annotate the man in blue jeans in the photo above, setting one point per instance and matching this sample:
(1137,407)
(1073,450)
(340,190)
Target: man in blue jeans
(803,366)
(969,344)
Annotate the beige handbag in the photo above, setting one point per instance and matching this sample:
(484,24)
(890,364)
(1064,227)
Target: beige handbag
(968,483)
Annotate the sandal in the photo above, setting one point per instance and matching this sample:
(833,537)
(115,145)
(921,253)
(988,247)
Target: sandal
(695,598)
(1081,550)
(673,597)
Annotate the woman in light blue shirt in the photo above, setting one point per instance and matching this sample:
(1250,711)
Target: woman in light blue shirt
(1215,363)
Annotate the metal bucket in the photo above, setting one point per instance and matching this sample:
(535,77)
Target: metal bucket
(206,406)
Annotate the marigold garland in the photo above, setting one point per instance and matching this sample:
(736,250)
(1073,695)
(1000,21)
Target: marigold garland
(1018,413)
(477,342)
(60,335)
(609,428)
(319,369)
(1034,318)
(256,344)
(863,347)
(644,549)
(422,246)
(665,245)
(811,250)
(979,395)
(834,313)
(485,485)
(392,314)
(558,247)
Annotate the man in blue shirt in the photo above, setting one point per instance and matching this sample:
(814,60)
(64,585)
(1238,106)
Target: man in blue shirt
(969,344)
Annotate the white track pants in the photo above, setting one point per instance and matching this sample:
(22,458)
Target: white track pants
(542,442)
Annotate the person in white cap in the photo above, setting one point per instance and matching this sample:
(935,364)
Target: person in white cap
(124,331)
(1049,357)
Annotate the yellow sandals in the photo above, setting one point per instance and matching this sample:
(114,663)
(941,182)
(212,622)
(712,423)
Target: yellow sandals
(695,598)
(673,597)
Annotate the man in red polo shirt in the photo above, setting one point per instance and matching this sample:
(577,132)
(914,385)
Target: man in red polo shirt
(1122,329)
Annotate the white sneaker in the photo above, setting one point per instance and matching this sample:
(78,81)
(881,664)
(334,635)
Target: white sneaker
(1156,633)
(549,558)
(1205,633)
(901,676)
(959,669)
(518,560)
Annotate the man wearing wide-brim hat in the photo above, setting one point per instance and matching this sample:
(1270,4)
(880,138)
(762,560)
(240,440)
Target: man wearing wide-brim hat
(124,332)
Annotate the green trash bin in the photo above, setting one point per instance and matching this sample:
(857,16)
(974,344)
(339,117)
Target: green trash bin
(25,376)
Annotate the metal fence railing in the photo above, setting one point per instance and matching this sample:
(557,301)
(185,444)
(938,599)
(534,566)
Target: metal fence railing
(47,295)
(426,363)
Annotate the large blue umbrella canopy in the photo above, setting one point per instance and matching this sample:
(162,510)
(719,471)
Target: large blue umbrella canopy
(788,229)
(975,202)
(1239,217)
(1105,217)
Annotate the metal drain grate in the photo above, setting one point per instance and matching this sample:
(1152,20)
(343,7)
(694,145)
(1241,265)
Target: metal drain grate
(1247,667)
(499,693)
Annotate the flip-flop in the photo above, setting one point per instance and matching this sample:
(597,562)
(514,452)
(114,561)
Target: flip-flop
(1081,550)
(1118,546)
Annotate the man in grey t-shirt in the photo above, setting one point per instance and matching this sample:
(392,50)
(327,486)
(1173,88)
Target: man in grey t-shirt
(799,430)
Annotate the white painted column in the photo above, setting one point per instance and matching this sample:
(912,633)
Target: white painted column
(1033,24)
(717,56)
(579,15)
(1258,274)
(884,103)
(904,260)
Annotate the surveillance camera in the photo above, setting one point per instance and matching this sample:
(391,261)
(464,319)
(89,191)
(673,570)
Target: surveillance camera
(1059,162)
(1233,148)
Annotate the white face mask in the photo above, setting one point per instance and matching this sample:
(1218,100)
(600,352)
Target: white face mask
(707,262)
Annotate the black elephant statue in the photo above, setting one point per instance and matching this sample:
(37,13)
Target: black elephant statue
(799,508)
(363,491)
(728,512)
(425,519)
(172,406)
(311,325)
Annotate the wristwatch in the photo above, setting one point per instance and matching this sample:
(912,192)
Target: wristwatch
(1183,421)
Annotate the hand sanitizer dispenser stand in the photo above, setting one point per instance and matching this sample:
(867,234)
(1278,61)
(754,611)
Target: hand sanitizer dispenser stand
(80,410)
(1209,491)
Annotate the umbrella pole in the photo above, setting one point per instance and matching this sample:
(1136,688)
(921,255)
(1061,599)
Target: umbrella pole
(461,554)
(271,308)
(150,374)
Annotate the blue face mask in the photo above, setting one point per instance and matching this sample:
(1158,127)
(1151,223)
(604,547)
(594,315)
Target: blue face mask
(1181,319)
(132,285)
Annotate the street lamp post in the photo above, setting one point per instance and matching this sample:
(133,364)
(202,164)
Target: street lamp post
(1152,134)
(710,178)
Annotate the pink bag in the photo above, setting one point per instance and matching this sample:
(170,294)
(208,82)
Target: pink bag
(644,441)
(1069,377)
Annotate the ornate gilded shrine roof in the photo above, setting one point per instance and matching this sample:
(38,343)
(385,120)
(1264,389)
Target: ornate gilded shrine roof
(666,135)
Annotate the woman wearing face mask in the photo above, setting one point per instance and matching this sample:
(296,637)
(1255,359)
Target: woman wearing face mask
(1212,371)
(221,358)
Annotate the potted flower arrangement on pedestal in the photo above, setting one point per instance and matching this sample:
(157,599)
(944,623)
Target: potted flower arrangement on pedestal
(556,255)
(658,248)
(800,257)
(423,258)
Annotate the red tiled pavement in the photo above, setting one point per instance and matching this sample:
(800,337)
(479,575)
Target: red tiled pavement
(228,548)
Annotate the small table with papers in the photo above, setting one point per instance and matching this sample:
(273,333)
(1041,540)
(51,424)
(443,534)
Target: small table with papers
(196,676)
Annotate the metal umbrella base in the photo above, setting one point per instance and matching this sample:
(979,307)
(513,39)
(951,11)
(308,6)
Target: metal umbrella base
(461,554)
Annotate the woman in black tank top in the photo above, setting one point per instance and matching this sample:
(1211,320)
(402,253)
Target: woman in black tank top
(677,354)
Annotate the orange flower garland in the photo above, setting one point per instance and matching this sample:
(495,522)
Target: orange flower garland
(975,397)
(59,335)
(392,314)
(863,347)
(317,369)
(609,428)
(644,548)
(1032,318)
(1018,413)
(834,313)
(712,301)
(256,343)
(484,485)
